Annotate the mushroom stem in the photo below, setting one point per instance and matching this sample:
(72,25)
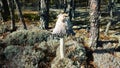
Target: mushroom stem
(62,48)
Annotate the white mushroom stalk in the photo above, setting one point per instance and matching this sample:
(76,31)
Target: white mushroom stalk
(62,48)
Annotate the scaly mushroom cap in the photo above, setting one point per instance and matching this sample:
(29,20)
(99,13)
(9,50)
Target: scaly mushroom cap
(62,26)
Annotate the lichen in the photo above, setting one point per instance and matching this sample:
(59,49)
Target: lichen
(22,57)
(29,37)
(3,28)
(62,63)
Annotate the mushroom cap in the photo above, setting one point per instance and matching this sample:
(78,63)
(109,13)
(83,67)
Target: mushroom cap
(63,26)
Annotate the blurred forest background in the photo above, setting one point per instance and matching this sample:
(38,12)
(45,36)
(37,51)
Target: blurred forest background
(25,27)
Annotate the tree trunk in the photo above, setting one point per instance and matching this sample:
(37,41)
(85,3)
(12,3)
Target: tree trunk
(56,4)
(65,5)
(5,10)
(1,18)
(87,4)
(12,13)
(94,27)
(20,13)
(110,8)
(99,3)
(73,8)
(44,14)
(60,3)
(69,9)
(1,8)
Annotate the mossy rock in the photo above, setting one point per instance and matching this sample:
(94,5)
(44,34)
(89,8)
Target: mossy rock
(31,56)
(27,37)
(49,46)
(22,57)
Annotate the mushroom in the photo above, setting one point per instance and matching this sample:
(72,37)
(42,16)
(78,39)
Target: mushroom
(62,28)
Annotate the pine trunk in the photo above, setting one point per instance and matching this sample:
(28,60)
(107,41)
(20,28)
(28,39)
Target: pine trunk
(12,13)
(69,9)
(73,8)
(94,27)
(110,8)
(1,18)
(5,10)
(44,14)
(65,5)
(57,4)
(20,13)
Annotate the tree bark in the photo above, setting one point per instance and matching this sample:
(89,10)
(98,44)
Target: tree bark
(57,4)
(20,13)
(94,26)
(65,5)
(99,5)
(12,13)
(87,4)
(69,9)
(73,8)
(1,8)
(44,14)
(1,18)
(5,10)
